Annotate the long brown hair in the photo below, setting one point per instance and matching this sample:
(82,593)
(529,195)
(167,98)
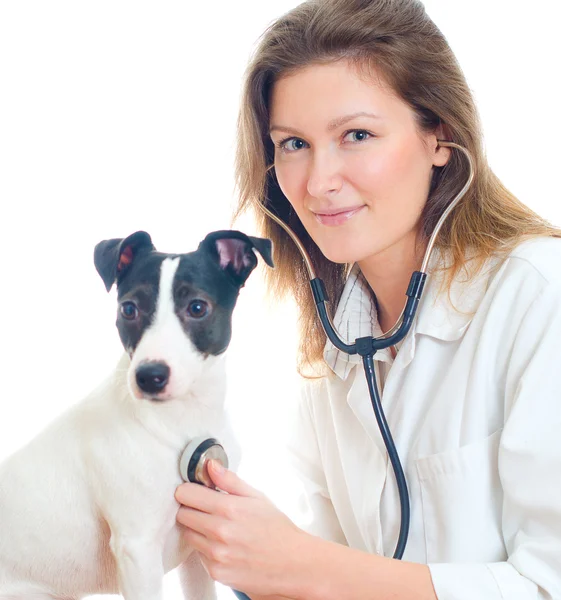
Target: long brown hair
(397,40)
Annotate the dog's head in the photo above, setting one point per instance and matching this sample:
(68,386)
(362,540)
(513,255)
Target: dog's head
(175,310)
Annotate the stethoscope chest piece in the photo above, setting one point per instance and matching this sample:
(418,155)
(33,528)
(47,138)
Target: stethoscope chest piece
(193,464)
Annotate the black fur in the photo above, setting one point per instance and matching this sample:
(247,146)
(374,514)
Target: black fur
(214,274)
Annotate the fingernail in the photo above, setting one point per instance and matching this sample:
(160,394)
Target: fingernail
(217,466)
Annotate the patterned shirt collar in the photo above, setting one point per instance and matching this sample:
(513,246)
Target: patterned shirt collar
(442,315)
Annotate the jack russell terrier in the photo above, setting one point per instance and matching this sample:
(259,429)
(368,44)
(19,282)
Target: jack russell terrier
(88,507)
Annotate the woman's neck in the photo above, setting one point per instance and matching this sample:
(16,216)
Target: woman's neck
(388,274)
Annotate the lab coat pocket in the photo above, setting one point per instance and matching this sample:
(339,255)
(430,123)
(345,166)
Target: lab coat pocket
(461,498)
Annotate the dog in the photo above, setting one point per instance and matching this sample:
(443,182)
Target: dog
(88,507)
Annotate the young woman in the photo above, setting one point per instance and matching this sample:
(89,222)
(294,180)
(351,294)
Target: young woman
(345,105)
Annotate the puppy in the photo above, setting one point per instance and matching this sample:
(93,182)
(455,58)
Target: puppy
(88,506)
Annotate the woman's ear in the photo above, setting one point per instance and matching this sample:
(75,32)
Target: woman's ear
(441,153)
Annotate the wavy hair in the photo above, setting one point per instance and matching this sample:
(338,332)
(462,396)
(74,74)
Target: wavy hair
(397,40)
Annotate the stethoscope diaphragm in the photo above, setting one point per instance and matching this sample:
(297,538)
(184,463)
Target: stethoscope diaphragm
(193,464)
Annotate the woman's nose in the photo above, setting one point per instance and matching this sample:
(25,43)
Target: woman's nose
(324,176)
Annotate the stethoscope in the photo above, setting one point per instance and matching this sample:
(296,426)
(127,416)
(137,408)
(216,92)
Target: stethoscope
(193,464)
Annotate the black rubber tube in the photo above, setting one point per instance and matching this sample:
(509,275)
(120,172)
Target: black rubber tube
(368,361)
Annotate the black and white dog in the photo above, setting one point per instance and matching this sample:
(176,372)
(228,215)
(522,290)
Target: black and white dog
(88,506)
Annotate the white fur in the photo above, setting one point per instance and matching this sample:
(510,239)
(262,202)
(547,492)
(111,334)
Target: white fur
(88,506)
(166,341)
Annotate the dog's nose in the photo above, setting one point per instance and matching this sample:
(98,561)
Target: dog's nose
(152,377)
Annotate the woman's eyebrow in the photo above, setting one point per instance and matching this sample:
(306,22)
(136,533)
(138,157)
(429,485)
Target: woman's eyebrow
(342,120)
(333,124)
(283,128)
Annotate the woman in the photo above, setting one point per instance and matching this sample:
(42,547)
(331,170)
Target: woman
(345,103)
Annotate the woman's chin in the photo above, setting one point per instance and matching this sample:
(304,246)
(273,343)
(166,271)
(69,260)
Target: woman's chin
(345,245)
(342,255)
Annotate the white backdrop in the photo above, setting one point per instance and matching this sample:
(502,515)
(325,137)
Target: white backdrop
(118,115)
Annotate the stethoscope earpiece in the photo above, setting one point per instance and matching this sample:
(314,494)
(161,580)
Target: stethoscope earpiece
(193,464)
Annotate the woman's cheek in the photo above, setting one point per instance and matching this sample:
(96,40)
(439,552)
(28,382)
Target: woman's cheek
(394,173)
(368,174)
(382,167)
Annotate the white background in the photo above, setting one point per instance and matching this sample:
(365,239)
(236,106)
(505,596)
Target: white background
(117,116)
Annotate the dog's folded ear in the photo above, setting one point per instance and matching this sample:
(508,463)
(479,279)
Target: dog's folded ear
(235,252)
(113,257)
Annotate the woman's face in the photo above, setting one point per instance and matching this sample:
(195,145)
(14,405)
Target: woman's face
(351,160)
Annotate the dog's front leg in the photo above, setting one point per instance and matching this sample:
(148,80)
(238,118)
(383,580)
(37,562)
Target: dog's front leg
(196,583)
(139,567)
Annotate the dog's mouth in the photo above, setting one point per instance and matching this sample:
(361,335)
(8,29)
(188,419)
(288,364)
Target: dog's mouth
(158,398)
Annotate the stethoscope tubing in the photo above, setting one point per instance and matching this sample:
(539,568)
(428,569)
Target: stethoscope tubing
(366,347)
(368,362)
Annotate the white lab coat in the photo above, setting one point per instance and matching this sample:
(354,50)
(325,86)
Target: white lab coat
(473,400)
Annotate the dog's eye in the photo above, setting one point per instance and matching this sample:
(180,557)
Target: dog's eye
(129,310)
(197,309)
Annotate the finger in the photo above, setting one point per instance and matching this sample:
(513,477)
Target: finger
(199,542)
(229,482)
(200,497)
(198,521)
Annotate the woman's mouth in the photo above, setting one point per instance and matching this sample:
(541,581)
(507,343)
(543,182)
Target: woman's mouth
(338,218)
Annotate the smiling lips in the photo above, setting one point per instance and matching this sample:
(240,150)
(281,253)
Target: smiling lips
(338,217)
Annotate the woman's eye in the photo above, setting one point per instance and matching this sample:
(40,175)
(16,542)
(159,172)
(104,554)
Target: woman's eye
(129,311)
(197,309)
(292,144)
(357,135)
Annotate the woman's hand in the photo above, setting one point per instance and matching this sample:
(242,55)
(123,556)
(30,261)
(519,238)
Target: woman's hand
(245,542)
(248,544)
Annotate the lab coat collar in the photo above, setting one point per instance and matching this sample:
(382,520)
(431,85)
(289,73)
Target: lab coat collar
(442,315)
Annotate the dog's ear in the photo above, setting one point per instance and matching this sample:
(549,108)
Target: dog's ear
(113,257)
(234,252)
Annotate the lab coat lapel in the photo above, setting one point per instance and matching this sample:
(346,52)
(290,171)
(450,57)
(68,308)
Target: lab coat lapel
(440,315)
(446,314)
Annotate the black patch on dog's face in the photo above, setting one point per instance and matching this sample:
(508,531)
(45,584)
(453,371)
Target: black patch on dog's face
(198,277)
(140,285)
(209,277)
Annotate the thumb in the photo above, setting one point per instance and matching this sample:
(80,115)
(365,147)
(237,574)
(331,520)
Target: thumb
(228,481)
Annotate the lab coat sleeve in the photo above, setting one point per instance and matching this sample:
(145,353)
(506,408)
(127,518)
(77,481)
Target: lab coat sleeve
(314,513)
(529,469)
